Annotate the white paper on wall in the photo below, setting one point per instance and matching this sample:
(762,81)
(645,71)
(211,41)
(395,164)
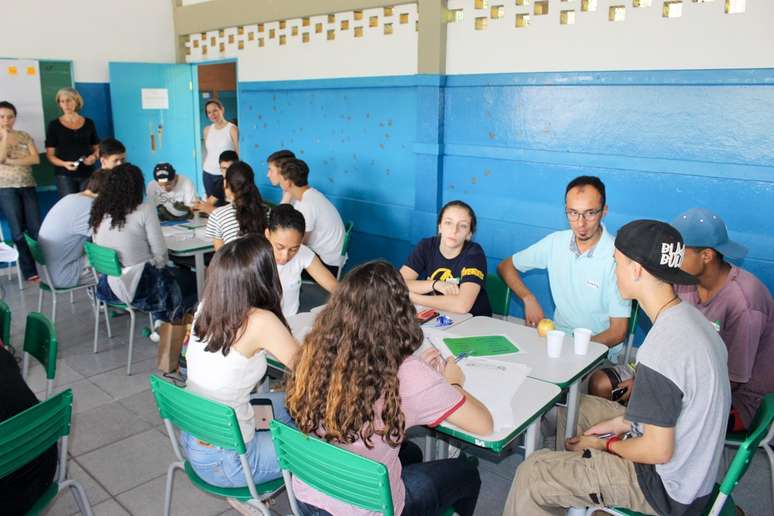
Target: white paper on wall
(20,85)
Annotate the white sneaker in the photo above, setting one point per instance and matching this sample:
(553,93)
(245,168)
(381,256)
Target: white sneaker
(243,508)
(154,337)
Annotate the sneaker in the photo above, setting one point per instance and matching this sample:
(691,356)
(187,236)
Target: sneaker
(243,508)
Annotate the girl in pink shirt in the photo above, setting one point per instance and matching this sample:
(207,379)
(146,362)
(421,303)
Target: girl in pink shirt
(358,385)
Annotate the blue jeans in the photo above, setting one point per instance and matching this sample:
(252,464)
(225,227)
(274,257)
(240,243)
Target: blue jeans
(223,468)
(66,185)
(431,487)
(20,207)
(213,186)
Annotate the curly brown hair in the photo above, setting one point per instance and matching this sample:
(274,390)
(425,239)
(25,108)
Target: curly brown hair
(350,359)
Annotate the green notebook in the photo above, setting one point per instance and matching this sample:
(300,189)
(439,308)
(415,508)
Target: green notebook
(481,346)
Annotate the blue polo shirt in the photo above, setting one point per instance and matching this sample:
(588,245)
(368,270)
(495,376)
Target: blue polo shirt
(582,284)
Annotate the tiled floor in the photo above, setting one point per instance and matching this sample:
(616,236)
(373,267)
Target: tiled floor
(120,451)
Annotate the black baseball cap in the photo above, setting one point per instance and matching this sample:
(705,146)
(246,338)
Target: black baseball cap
(163,172)
(658,247)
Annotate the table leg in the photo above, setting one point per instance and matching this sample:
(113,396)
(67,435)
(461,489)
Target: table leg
(532,437)
(442,449)
(199,264)
(429,447)
(573,403)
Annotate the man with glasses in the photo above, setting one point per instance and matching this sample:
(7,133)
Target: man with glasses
(581,269)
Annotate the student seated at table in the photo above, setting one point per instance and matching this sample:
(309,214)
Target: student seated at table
(64,231)
(111,153)
(324,228)
(358,385)
(121,221)
(226,158)
(239,320)
(172,194)
(21,489)
(245,212)
(285,233)
(580,267)
(273,163)
(665,448)
(448,271)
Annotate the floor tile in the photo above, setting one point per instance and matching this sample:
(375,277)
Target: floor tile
(86,396)
(148,498)
(64,375)
(144,405)
(110,508)
(119,385)
(130,462)
(65,502)
(103,425)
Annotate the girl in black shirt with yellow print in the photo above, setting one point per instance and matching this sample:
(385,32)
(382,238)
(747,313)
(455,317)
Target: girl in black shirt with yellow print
(448,271)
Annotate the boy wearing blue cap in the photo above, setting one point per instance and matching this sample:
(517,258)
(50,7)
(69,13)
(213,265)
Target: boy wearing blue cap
(738,305)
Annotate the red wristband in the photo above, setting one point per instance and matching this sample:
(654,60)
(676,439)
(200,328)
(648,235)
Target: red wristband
(610,442)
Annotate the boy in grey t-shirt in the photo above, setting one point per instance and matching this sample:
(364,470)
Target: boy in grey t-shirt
(661,456)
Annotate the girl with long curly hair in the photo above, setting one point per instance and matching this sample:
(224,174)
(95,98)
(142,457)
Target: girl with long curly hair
(239,320)
(245,213)
(358,384)
(120,220)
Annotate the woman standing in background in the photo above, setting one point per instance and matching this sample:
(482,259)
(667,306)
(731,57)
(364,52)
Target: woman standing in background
(220,136)
(17,186)
(71,144)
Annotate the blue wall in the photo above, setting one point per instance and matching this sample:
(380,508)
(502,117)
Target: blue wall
(96,105)
(389,151)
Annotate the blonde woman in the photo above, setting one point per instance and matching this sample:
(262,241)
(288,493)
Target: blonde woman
(18,199)
(220,136)
(71,144)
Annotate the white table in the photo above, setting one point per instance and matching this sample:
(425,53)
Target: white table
(455,318)
(188,239)
(566,372)
(533,399)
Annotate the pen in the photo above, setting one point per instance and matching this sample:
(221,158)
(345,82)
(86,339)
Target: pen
(605,436)
(460,356)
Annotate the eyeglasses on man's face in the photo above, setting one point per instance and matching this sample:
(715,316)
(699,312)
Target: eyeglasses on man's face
(587,215)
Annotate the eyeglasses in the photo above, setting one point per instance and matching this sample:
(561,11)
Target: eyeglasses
(587,215)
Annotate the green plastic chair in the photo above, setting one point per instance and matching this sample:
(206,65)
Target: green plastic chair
(632,329)
(213,423)
(345,247)
(40,342)
(10,263)
(104,260)
(722,503)
(334,471)
(499,294)
(5,324)
(46,284)
(28,434)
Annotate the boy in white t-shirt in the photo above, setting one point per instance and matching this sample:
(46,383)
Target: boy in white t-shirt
(285,232)
(324,227)
(172,194)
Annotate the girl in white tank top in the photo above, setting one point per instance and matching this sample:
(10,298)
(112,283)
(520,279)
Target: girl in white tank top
(239,320)
(218,137)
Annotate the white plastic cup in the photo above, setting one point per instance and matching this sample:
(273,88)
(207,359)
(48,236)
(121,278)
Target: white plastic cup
(582,337)
(554,341)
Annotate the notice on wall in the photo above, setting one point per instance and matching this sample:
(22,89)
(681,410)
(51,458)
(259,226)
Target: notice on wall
(20,85)
(155,98)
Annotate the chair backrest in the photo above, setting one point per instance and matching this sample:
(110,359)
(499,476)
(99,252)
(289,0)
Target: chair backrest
(347,237)
(334,471)
(758,430)
(40,341)
(28,434)
(103,259)
(35,250)
(499,294)
(207,420)
(5,323)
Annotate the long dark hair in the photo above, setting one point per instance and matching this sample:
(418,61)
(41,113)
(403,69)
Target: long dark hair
(350,359)
(120,194)
(248,203)
(241,276)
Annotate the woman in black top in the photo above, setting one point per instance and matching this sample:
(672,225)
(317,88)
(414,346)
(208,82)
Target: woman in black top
(71,144)
(20,489)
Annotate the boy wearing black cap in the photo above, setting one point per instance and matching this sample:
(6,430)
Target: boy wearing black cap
(681,395)
(173,195)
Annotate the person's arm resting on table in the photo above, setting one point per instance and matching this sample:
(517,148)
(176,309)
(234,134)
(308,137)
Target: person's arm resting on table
(534,257)
(615,334)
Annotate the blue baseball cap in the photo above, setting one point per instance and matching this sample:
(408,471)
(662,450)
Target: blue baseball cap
(703,228)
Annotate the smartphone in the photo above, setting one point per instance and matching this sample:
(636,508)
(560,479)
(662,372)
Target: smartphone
(264,413)
(618,393)
(427,315)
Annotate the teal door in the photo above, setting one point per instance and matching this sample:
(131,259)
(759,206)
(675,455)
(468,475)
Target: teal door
(155,115)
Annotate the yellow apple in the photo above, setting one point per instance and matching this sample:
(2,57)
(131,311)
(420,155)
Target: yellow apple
(544,326)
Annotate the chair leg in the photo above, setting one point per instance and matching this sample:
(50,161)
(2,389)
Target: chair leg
(53,307)
(80,496)
(168,487)
(107,322)
(25,365)
(49,387)
(131,343)
(97,304)
(72,299)
(40,299)
(19,276)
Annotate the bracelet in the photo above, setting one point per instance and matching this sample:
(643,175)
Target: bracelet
(610,442)
(456,385)
(433,287)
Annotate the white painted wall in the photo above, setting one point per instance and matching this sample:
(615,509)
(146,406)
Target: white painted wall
(703,37)
(373,54)
(90,33)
